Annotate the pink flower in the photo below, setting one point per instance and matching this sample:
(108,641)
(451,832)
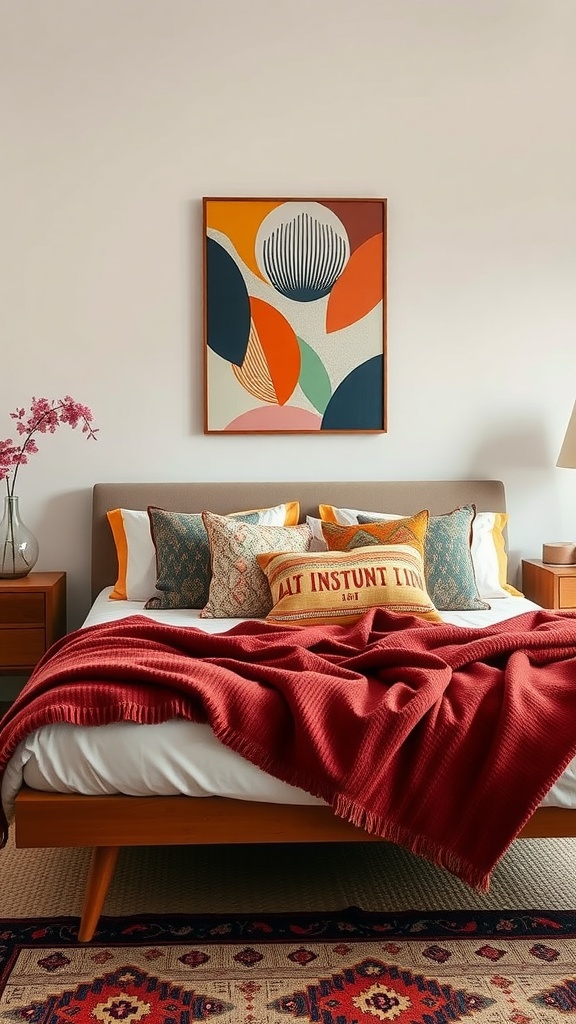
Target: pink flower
(44,416)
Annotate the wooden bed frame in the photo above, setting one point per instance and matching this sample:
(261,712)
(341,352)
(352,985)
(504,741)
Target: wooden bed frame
(107,823)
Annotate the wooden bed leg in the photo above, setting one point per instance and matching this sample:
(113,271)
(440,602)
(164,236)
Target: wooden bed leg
(100,874)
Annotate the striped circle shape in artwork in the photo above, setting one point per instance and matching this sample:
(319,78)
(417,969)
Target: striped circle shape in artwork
(302,249)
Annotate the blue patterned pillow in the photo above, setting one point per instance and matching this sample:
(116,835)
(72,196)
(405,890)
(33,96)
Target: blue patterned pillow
(448,566)
(183,567)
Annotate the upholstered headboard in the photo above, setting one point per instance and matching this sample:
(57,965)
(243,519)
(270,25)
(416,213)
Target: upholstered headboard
(403,497)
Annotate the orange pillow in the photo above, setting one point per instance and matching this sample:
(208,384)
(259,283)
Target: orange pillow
(410,531)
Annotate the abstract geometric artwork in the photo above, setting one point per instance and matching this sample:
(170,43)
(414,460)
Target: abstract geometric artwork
(294,315)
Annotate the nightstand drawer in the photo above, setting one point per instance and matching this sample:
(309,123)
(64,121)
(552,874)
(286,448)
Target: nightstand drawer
(567,592)
(22,609)
(21,647)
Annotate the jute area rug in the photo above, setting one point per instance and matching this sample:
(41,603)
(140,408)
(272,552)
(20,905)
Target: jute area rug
(211,879)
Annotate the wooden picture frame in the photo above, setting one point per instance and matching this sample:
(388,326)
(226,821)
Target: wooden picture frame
(294,315)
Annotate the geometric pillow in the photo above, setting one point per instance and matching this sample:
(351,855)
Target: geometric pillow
(340,586)
(183,568)
(411,530)
(238,587)
(448,565)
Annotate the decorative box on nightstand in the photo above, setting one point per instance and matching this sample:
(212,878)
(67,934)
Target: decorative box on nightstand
(32,617)
(550,586)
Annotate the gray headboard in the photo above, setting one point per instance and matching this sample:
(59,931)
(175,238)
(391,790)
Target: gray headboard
(403,497)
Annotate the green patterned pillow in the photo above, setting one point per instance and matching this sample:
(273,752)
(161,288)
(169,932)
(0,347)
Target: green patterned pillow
(239,588)
(182,558)
(448,566)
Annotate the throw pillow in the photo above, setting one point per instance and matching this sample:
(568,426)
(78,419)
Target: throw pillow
(340,586)
(411,530)
(239,588)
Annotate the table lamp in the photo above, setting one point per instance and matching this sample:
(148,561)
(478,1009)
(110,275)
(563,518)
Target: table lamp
(564,553)
(567,457)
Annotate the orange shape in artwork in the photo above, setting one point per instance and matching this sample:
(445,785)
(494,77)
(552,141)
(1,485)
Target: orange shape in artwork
(359,288)
(240,222)
(271,366)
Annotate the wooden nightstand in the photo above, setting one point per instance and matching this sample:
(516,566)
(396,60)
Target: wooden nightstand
(32,617)
(551,586)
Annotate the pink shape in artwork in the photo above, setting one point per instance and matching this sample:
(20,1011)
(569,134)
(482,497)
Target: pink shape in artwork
(276,418)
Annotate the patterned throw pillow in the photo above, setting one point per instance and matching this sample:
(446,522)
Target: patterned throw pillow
(238,588)
(448,566)
(340,586)
(411,530)
(183,567)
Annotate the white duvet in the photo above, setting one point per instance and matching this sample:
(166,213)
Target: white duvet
(178,756)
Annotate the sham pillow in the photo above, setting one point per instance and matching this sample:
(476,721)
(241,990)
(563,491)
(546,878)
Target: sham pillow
(340,586)
(182,552)
(489,556)
(135,554)
(238,587)
(448,566)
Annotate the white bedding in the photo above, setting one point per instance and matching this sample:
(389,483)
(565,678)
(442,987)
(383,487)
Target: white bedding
(183,757)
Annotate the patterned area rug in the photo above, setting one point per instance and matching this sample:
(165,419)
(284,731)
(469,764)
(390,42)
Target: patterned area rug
(334,968)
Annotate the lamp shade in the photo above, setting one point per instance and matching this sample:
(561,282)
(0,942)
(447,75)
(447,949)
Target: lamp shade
(567,457)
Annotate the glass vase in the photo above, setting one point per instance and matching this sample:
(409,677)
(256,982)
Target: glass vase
(18,545)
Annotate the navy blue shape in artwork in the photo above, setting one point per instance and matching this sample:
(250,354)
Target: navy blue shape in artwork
(227,305)
(358,401)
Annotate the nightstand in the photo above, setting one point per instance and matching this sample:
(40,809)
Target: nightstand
(32,617)
(550,586)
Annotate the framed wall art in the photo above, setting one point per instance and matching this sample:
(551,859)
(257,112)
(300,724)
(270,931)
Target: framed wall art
(294,315)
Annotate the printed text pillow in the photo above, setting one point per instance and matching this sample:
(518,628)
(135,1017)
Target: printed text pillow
(340,586)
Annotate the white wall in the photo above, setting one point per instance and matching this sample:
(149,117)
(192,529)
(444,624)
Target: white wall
(117,116)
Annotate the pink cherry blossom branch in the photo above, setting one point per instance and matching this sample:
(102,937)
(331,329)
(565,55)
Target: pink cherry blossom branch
(44,416)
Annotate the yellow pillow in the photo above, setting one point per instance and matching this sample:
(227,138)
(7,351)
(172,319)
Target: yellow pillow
(339,586)
(410,531)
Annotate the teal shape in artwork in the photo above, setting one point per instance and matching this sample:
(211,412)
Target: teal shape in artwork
(358,402)
(313,380)
(227,305)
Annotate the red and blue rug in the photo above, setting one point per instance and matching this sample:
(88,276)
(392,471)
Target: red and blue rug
(514,967)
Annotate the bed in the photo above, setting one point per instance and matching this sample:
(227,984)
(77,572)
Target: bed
(106,823)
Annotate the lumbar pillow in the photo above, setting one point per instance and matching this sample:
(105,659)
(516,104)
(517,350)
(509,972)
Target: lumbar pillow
(238,588)
(448,566)
(182,552)
(340,586)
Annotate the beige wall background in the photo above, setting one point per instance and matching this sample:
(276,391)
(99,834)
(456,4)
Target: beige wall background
(117,116)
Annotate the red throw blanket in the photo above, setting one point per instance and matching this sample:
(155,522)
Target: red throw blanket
(441,738)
